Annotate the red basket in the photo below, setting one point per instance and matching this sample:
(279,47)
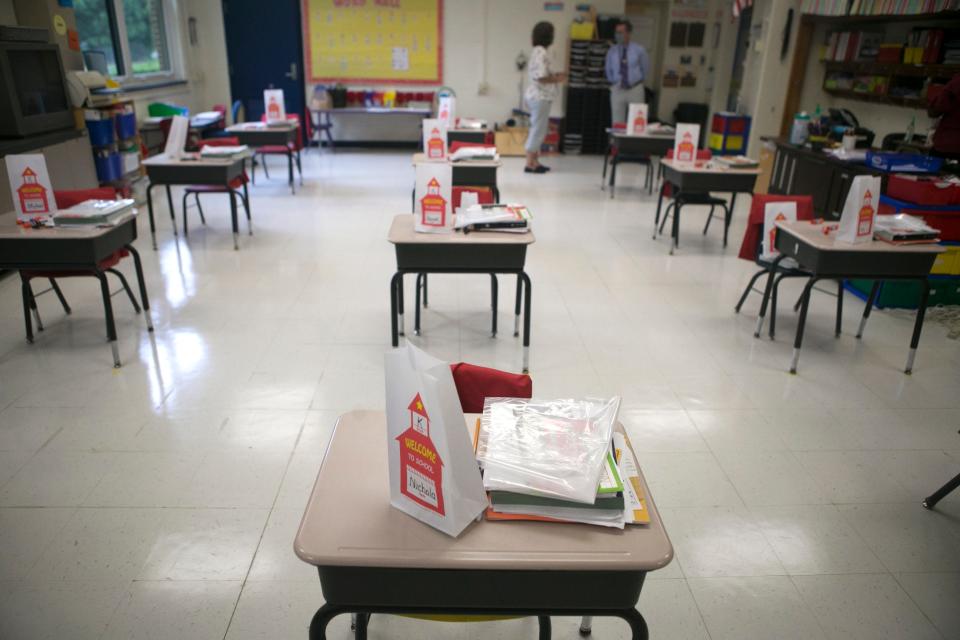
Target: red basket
(947,222)
(922,190)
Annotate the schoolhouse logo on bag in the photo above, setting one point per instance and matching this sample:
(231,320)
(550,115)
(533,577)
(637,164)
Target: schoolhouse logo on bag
(33,195)
(435,145)
(421,468)
(865,216)
(433,206)
(686,150)
(273,109)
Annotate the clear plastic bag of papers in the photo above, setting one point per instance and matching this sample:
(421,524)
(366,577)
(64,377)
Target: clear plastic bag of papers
(551,448)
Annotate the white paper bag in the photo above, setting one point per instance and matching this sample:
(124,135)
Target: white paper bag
(856,221)
(637,118)
(177,138)
(685,143)
(468,199)
(774,212)
(273,105)
(434,475)
(434,139)
(31,189)
(433,198)
(446,110)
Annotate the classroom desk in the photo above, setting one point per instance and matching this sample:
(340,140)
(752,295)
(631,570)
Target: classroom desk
(373,558)
(71,249)
(703,178)
(162,170)
(467,173)
(324,124)
(828,259)
(473,136)
(259,134)
(621,147)
(200,124)
(478,252)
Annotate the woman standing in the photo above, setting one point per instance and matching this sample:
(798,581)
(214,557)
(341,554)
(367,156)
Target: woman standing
(540,94)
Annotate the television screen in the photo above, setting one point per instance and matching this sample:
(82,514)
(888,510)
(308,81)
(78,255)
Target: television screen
(38,81)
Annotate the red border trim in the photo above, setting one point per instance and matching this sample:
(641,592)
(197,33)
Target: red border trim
(308,63)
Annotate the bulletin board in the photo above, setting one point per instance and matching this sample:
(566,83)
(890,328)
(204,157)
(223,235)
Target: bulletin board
(374,41)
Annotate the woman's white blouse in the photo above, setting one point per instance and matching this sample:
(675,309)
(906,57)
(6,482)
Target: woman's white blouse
(538,68)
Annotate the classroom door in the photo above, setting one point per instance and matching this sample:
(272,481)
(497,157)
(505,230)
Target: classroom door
(264,51)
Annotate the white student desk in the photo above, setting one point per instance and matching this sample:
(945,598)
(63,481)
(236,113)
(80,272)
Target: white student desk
(468,173)
(373,558)
(629,147)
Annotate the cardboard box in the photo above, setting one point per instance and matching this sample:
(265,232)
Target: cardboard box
(510,140)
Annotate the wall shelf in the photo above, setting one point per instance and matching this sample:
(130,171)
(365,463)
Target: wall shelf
(893,69)
(912,103)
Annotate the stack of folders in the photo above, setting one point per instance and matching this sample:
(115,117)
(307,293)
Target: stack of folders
(904,229)
(229,152)
(95,213)
(539,456)
(514,218)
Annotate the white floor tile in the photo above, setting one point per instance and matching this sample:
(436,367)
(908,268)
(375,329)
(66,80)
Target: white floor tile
(25,535)
(174,609)
(863,606)
(937,595)
(758,607)
(51,610)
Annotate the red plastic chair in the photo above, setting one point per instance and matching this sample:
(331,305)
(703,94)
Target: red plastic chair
(65,200)
(238,186)
(292,151)
(475,383)
(751,248)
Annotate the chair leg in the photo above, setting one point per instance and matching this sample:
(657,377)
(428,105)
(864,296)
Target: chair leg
(613,177)
(108,313)
(33,308)
(874,290)
(516,309)
(931,501)
(727,217)
(586,625)
(299,169)
(63,300)
(196,196)
(773,305)
(675,239)
(426,303)
(666,214)
(126,287)
(545,628)
(746,291)
(416,303)
(263,161)
(839,306)
(796,305)
(709,218)
(494,294)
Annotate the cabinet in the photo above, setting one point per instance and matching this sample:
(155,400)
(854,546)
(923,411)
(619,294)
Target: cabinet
(799,171)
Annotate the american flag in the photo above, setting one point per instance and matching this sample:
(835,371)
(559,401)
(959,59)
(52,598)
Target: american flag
(740,5)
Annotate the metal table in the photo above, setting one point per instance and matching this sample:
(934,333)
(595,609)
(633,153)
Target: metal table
(479,252)
(72,249)
(623,147)
(828,259)
(259,134)
(165,171)
(372,558)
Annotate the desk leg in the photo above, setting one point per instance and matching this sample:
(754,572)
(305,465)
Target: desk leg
(874,290)
(173,214)
(801,324)
(675,228)
(613,176)
(138,266)
(526,321)
(153,226)
(771,274)
(27,301)
(918,325)
(401,306)
(494,295)
(516,309)
(603,176)
(293,188)
(246,207)
(656,220)
(418,284)
(323,616)
(108,312)
(394,333)
(233,218)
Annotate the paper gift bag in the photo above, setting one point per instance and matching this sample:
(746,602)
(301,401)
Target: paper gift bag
(31,189)
(433,198)
(685,143)
(273,105)
(177,137)
(446,110)
(434,139)
(434,475)
(637,118)
(774,212)
(856,221)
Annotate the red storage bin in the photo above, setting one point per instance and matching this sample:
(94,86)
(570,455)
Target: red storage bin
(919,190)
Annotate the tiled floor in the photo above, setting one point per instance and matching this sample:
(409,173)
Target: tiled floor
(160,500)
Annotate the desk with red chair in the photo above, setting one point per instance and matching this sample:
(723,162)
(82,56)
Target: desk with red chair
(692,183)
(280,138)
(167,172)
(58,252)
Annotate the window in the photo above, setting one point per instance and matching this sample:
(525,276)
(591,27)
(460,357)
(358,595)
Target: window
(129,39)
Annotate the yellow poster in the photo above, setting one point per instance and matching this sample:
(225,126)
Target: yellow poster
(391,41)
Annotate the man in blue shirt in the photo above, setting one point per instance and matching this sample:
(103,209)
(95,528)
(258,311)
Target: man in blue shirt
(627,68)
